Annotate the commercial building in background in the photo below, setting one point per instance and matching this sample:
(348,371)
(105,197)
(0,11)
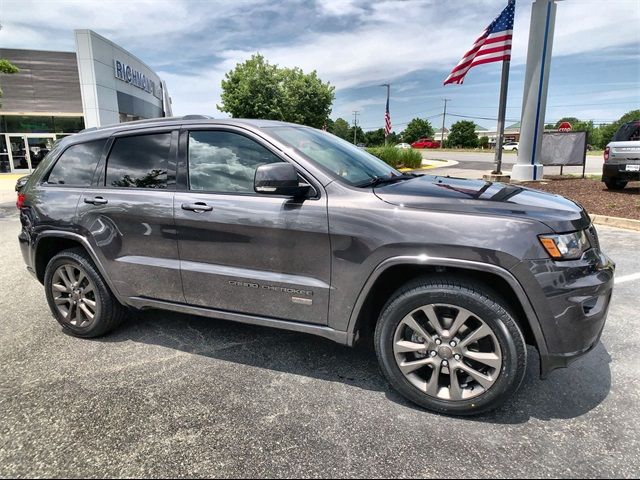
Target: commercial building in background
(60,93)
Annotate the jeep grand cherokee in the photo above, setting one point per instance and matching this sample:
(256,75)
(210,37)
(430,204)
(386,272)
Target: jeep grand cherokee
(281,225)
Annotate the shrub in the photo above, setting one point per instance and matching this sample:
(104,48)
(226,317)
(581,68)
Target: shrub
(397,157)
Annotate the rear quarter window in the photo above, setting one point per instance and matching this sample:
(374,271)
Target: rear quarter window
(77,165)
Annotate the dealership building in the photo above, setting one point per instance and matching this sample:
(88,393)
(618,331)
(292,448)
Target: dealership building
(60,93)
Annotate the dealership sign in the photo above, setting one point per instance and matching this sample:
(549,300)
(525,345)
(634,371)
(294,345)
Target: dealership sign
(127,74)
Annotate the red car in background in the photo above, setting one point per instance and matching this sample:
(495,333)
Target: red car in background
(426,143)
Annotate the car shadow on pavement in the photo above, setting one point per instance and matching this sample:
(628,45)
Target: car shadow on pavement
(568,393)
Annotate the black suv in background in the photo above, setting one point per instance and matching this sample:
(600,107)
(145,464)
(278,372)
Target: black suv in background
(280,225)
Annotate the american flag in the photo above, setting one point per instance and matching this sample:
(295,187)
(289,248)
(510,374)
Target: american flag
(494,45)
(387,120)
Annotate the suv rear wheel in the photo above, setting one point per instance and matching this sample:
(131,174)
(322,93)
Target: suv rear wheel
(78,297)
(450,346)
(615,184)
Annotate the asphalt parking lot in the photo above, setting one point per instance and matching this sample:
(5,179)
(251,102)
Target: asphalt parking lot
(171,395)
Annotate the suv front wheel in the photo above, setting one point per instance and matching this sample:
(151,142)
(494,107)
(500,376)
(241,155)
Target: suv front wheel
(78,297)
(450,346)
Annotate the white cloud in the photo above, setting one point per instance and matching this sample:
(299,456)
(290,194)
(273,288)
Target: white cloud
(375,42)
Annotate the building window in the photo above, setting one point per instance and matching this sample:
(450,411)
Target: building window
(40,124)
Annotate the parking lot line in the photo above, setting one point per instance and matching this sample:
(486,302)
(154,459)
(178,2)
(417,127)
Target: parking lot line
(628,278)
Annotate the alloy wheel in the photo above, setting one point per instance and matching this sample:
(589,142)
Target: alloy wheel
(447,352)
(74,295)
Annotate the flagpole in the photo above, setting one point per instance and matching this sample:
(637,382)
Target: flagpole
(386,137)
(502,111)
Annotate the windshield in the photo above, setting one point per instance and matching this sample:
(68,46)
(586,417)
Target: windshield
(340,158)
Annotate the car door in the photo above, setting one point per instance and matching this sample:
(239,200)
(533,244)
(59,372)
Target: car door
(242,251)
(127,215)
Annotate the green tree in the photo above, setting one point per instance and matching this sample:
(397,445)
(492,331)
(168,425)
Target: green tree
(341,128)
(7,67)
(463,135)
(360,137)
(374,138)
(257,89)
(416,129)
(483,142)
(605,133)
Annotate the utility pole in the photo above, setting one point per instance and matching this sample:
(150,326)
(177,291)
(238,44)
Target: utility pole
(444,118)
(355,126)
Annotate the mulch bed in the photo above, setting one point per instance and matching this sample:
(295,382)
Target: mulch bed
(594,196)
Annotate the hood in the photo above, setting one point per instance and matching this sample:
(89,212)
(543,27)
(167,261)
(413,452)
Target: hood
(485,198)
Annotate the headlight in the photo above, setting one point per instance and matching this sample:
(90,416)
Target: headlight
(568,246)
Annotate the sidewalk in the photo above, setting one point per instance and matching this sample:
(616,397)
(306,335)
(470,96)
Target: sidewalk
(7,187)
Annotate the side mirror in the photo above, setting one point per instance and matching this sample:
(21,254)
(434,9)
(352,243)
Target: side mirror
(279,179)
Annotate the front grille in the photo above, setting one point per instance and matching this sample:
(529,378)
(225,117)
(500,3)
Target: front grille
(592,234)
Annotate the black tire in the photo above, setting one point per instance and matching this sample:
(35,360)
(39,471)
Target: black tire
(482,302)
(109,313)
(615,184)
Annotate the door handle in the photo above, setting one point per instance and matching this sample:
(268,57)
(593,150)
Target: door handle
(197,207)
(96,201)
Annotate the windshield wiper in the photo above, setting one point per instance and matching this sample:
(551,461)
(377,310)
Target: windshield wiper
(375,181)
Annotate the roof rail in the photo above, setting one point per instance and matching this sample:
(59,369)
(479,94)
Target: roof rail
(197,117)
(149,120)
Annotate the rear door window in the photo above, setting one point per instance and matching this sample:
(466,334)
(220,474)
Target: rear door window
(77,164)
(139,161)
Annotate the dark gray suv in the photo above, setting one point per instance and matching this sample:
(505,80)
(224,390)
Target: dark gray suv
(280,225)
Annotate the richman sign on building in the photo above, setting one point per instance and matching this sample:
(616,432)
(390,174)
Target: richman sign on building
(138,79)
(60,93)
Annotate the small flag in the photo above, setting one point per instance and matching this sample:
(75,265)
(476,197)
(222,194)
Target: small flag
(494,45)
(387,120)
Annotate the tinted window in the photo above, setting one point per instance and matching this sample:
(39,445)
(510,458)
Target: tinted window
(225,162)
(76,165)
(628,132)
(139,161)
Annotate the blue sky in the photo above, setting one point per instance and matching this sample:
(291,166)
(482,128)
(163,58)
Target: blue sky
(356,46)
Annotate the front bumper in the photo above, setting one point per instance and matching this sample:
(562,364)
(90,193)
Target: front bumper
(571,300)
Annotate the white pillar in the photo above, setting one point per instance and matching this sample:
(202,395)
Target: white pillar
(534,103)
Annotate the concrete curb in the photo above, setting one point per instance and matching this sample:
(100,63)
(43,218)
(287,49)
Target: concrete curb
(617,222)
(433,163)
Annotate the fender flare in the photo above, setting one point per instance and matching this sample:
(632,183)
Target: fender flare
(425,260)
(89,249)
